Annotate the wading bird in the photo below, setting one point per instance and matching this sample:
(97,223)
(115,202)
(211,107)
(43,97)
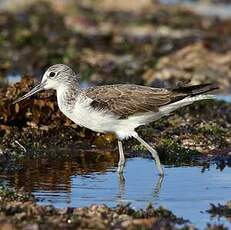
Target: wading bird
(117,108)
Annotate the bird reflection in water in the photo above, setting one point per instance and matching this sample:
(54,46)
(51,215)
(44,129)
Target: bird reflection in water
(54,174)
(122,189)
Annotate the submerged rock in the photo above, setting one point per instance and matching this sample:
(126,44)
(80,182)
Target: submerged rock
(221,210)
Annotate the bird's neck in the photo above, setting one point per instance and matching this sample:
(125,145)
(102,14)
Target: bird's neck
(67,96)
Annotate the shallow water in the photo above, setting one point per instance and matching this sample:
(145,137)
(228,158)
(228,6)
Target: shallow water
(226,98)
(187,191)
(11,78)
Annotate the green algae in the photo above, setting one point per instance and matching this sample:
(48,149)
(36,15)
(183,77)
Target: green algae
(211,129)
(173,153)
(7,195)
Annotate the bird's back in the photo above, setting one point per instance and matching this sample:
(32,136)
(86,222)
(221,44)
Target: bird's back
(125,100)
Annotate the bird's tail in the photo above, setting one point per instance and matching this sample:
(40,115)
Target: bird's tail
(195,90)
(183,96)
(190,91)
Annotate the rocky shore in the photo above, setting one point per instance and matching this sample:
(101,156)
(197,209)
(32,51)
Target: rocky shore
(146,43)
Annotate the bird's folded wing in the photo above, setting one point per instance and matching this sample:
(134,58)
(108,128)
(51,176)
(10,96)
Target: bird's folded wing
(127,100)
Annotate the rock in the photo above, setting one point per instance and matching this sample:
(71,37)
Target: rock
(195,64)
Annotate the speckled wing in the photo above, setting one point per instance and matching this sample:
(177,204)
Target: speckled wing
(126,100)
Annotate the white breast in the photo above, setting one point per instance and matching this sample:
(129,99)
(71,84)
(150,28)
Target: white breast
(83,114)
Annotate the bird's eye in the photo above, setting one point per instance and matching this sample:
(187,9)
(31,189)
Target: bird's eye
(52,74)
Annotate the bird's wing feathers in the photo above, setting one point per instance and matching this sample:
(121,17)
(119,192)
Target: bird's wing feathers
(126,100)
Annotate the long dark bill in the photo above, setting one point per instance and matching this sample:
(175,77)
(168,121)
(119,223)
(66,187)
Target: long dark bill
(36,89)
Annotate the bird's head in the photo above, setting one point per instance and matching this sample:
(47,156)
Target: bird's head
(55,77)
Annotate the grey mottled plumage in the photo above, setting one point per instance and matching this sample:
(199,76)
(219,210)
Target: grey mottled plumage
(125,99)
